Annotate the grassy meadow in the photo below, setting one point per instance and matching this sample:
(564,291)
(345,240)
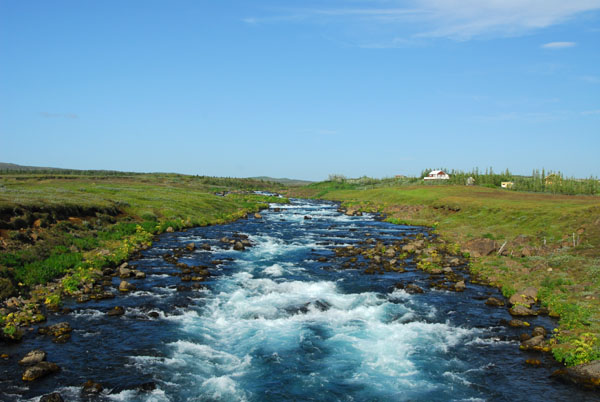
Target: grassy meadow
(552,242)
(57,231)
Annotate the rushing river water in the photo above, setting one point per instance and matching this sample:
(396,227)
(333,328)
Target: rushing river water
(274,323)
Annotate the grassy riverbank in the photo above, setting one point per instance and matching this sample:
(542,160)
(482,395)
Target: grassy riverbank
(550,242)
(57,232)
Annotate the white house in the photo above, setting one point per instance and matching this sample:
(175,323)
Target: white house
(437,175)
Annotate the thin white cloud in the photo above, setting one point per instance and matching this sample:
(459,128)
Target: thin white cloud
(454,19)
(558,45)
(591,79)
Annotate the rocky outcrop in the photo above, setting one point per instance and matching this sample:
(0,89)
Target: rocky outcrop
(481,247)
(587,374)
(525,297)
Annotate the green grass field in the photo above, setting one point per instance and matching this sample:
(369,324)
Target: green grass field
(562,232)
(63,229)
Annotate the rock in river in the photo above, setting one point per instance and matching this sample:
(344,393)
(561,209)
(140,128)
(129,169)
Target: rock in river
(41,369)
(116,311)
(33,357)
(91,387)
(125,286)
(53,397)
(492,301)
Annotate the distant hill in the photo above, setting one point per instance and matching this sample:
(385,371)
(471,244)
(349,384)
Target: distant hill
(14,166)
(284,181)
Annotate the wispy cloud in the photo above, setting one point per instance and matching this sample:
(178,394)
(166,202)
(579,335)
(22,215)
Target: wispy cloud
(558,45)
(59,115)
(591,79)
(591,112)
(454,19)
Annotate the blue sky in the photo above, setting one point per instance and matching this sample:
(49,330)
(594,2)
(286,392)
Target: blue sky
(301,89)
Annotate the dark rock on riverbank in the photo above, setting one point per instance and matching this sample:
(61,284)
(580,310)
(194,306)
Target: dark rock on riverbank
(492,301)
(587,374)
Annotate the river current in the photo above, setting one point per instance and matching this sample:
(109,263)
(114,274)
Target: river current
(276,323)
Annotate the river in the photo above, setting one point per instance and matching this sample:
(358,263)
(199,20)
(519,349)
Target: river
(275,323)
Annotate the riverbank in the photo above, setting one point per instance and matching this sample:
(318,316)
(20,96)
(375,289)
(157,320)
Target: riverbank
(58,233)
(265,319)
(515,241)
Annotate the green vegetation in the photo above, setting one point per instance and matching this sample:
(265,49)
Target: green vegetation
(73,224)
(551,242)
(539,182)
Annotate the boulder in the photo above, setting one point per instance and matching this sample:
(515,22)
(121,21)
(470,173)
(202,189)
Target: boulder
(56,330)
(519,310)
(91,387)
(413,289)
(525,297)
(492,301)
(124,273)
(33,357)
(13,302)
(116,311)
(238,246)
(481,247)
(539,331)
(390,253)
(170,230)
(527,251)
(517,323)
(205,247)
(53,397)
(524,337)
(190,246)
(139,274)
(125,286)
(460,286)
(409,248)
(587,374)
(257,216)
(41,369)
(535,343)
